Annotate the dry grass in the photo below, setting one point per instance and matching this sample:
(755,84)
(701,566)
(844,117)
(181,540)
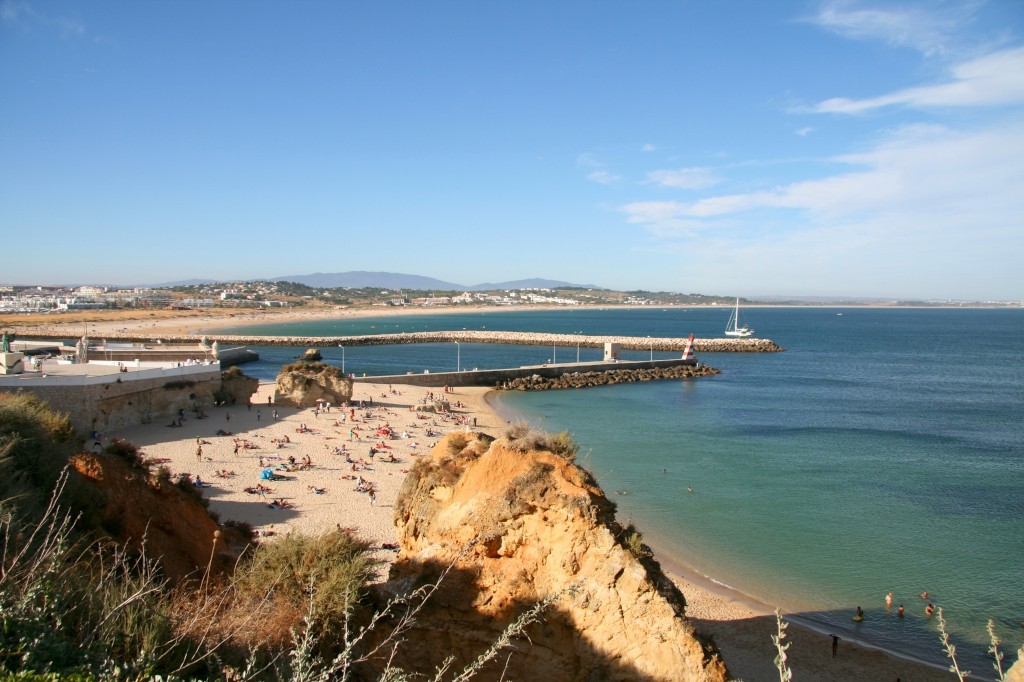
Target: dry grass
(522,437)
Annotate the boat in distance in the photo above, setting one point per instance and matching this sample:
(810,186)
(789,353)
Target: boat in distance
(733,327)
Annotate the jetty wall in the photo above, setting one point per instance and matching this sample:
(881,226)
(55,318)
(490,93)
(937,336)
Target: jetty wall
(541,377)
(700,345)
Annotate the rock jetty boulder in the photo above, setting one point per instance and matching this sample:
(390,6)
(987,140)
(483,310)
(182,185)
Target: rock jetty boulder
(509,523)
(303,384)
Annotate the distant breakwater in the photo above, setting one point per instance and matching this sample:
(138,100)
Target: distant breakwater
(605,377)
(700,345)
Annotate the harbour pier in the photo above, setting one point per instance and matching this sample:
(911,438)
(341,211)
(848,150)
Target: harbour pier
(700,345)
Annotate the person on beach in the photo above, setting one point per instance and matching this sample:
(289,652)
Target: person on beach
(258,415)
(835,644)
(199,453)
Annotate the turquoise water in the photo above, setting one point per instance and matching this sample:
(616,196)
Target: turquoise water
(881,452)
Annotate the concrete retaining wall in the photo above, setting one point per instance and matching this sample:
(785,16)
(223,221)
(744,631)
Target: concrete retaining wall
(125,399)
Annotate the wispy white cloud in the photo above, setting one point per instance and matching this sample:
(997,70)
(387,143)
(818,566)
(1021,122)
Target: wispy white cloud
(603,177)
(20,13)
(927,28)
(683,178)
(648,148)
(917,169)
(919,212)
(994,79)
(804,132)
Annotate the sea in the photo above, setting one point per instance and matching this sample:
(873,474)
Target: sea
(882,451)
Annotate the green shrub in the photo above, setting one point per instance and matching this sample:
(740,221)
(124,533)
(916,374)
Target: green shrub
(325,574)
(35,443)
(185,484)
(633,542)
(126,450)
(313,368)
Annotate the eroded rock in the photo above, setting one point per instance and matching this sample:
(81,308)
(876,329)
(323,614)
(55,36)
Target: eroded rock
(302,384)
(517,527)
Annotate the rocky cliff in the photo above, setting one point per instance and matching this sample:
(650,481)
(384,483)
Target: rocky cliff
(135,507)
(236,387)
(302,384)
(517,522)
(1016,673)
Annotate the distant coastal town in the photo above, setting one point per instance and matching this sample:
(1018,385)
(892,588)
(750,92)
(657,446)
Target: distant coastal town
(269,295)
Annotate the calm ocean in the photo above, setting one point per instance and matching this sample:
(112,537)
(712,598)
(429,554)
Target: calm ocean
(883,451)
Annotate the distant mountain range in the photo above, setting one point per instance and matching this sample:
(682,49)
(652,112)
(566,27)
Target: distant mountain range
(360,279)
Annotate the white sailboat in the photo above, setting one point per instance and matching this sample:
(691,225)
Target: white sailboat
(733,327)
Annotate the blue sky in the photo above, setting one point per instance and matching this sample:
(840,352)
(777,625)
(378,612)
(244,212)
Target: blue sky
(722,147)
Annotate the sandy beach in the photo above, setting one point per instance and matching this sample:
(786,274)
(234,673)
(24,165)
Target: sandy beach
(324,496)
(336,443)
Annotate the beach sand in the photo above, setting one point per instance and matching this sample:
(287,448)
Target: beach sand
(321,497)
(742,629)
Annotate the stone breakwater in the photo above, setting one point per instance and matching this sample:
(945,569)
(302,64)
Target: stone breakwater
(605,377)
(700,345)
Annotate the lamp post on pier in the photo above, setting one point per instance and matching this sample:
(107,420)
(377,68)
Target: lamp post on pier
(652,347)
(458,357)
(342,357)
(578,347)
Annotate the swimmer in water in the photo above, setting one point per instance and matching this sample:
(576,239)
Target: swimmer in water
(899,611)
(689,489)
(888,600)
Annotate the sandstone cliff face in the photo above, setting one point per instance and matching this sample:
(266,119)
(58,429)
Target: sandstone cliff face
(1016,673)
(301,384)
(236,387)
(535,526)
(178,531)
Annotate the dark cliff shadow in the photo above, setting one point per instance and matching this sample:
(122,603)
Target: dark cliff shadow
(257,511)
(459,620)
